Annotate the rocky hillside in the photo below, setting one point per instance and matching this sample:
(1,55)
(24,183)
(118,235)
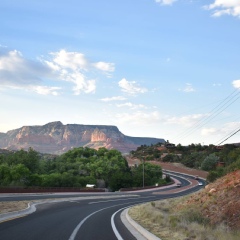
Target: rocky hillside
(219,201)
(57,138)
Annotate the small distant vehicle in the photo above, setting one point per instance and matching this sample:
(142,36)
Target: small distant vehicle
(196,177)
(200,183)
(179,184)
(90,185)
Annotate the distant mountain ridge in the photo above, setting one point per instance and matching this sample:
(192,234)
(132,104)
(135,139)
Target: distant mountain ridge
(56,138)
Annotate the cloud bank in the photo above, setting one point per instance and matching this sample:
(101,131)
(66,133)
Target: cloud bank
(131,105)
(218,7)
(224,7)
(139,118)
(39,76)
(236,84)
(131,87)
(165,2)
(110,99)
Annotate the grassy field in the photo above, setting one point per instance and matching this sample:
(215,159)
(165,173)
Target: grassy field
(169,222)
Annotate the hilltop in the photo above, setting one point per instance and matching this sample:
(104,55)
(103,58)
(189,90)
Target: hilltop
(57,138)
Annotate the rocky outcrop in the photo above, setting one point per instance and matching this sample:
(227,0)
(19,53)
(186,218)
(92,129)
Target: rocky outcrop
(57,138)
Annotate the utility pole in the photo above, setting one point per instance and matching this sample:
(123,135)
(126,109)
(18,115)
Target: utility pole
(143,169)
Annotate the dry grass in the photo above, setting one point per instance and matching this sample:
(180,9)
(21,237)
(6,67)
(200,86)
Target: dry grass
(162,219)
(12,206)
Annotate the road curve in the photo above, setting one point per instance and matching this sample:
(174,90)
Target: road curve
(83,218)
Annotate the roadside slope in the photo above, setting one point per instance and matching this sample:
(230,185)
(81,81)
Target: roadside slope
(212,213)
(219,201)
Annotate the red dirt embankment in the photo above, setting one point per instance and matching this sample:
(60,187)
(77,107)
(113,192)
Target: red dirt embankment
(219,201)
(178,167)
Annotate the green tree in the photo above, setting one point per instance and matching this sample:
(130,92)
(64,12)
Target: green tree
(120,180)
(193,159)
(171,158)
(233,166)
(20,174)
(51,180)
(210,162)
(5,175)
(150,175)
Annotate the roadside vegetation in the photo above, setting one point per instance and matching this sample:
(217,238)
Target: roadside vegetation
(162,220)
(211,214)
(75,168)
(218,161)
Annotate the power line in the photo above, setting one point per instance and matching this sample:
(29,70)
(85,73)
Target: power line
(234,121)
(229,137)
(208,119)
(229,100)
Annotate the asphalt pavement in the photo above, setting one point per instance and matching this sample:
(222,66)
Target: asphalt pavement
(82,216)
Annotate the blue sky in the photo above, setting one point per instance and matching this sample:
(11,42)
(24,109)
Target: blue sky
(154,68)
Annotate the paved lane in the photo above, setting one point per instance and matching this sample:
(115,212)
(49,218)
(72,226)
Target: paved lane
(87,219)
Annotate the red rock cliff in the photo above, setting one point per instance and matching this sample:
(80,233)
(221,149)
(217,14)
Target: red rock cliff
(57,138)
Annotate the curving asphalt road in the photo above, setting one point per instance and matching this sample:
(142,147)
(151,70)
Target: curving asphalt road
(96,216)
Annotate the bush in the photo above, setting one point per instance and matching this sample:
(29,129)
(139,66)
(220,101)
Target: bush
(210,162)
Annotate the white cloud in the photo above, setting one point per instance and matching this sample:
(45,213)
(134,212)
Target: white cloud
(139,118)
(236,83)
(15,71)
(44,90)
(73,67)
(70,60)
(104,66)
(131,87)
(226,130)
(80,81)
(118,98)
(165,2)
(224,7)
(209,131)
(77,61)
(131,105)
(148,117)
(231,126)
(188,120)
(188,88)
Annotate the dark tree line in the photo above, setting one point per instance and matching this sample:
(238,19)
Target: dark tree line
(75,168)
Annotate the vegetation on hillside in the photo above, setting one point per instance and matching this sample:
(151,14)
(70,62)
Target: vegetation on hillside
(75,168)
(217,161)
(211,214)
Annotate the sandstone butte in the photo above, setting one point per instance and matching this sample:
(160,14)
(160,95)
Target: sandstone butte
(56,138)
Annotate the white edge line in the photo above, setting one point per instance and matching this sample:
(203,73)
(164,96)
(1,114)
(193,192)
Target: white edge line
(145,234)
(75,231)
(117,234)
